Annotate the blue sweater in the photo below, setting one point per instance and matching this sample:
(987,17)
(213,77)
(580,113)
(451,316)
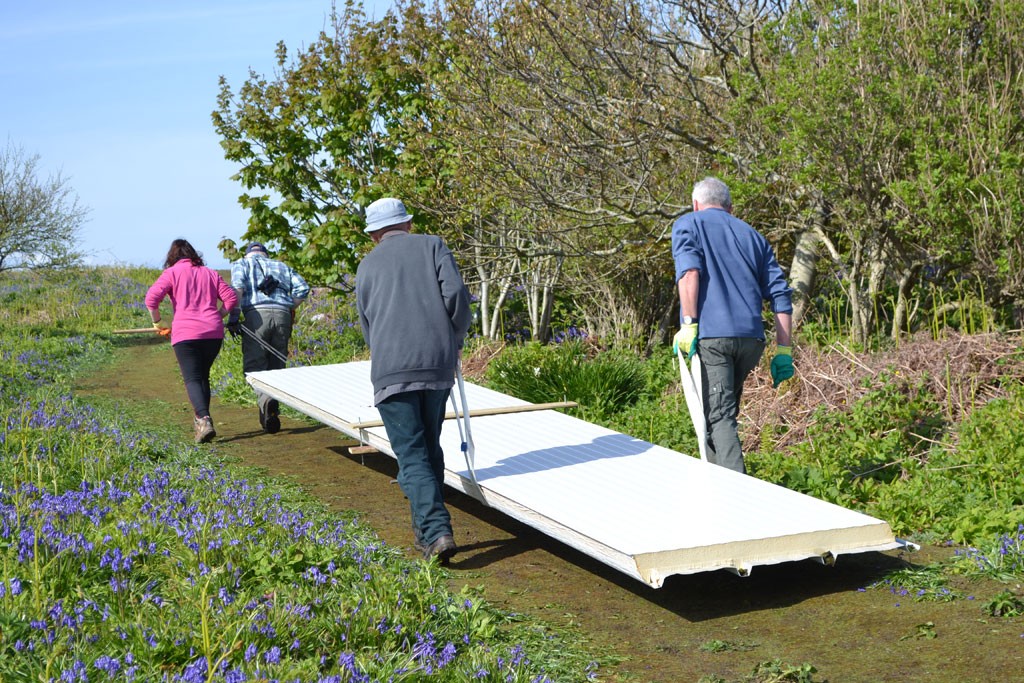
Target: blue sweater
(738,271)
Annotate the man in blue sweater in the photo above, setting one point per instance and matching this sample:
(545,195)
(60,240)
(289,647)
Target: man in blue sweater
(725,270)
(415,313)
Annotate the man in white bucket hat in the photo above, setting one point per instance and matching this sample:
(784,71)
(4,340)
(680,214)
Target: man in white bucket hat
(414,311)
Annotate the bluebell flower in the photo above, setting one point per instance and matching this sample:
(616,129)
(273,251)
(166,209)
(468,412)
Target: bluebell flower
(108,664)
(77,672)
(446,656)
(196,672)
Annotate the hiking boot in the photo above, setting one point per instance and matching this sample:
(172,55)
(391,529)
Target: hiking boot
(204,429)
(442,548)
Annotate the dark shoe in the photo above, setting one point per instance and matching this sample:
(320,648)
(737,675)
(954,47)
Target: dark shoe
(442,548)
(204,429)
(269,420)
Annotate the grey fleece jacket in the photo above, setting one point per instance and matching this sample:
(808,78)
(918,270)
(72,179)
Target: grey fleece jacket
(414,310)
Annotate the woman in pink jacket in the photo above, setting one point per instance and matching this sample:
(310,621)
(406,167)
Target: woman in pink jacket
(200,300)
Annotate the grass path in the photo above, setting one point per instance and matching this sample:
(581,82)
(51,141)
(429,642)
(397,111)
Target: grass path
(796,612)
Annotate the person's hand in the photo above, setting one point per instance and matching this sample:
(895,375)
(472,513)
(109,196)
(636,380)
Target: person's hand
(782,365)
(161,329)
(685,340)
(233,327)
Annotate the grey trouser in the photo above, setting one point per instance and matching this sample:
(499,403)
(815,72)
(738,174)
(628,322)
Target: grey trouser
(725,364)
(274,327)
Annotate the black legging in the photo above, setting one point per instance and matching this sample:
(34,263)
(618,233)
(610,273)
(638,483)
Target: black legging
(195,358)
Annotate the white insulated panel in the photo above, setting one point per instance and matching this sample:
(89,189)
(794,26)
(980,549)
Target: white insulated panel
(643,509)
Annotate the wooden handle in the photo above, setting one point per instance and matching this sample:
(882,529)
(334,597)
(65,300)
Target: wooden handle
(486,411)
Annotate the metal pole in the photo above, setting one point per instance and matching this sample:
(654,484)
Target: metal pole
(690,378)
(265,345)
(465,435)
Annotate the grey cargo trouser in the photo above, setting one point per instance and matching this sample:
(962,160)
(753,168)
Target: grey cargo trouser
(725,364)
(274,327)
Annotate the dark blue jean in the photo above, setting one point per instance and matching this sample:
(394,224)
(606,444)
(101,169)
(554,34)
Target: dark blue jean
(413,421)
(725,364)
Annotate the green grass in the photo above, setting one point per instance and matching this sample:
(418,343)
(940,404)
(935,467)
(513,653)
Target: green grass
(130,555)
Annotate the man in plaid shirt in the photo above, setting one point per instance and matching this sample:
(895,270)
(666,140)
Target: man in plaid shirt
(269,291)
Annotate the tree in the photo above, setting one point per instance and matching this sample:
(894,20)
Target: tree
(579,126)
(39,219)
(552,142)
(335,128)
(892,132)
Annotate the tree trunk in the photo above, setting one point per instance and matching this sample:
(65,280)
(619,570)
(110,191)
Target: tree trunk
(901,313)
(539,284)
(802,273)
(491,279)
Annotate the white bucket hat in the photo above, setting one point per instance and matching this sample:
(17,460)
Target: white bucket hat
(384,213)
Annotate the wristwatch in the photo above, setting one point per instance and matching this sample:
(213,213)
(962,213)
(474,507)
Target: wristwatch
(689,320)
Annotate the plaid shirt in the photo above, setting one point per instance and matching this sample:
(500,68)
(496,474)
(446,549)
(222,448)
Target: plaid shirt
(248,273)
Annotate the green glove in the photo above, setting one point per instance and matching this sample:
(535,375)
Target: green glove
(782,365)
(685,340)
(161,329)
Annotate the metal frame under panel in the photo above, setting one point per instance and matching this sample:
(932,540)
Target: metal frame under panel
(645,510)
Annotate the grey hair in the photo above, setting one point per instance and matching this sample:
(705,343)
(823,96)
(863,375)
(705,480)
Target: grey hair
(712,192)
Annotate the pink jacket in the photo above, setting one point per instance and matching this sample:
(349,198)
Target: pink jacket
(194,292)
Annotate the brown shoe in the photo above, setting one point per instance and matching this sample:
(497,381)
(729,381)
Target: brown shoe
(204,429)
(442,548)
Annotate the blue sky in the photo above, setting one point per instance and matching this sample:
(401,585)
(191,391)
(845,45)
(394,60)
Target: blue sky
(117,96)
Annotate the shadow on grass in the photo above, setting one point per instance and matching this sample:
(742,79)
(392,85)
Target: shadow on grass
(121,341)
(694,597)
(259,433)
(700,596)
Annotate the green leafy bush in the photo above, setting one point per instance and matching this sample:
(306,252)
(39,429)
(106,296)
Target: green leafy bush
(969,490)
(892,456)
(849,453)
(602,384)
